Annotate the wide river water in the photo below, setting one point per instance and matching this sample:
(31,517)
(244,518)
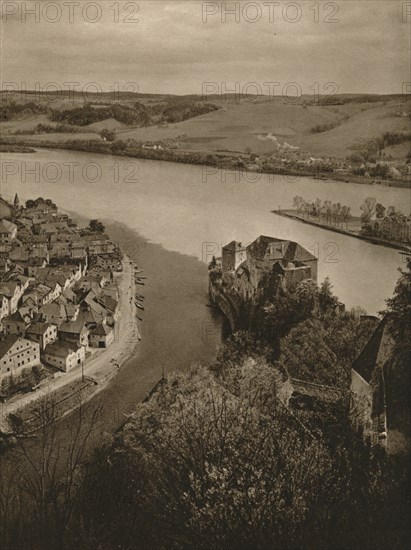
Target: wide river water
(173,218)
(194,210)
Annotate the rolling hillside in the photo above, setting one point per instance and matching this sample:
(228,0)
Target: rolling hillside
(258,125)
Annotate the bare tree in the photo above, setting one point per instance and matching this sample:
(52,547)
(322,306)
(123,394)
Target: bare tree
(48,464)
(368,208)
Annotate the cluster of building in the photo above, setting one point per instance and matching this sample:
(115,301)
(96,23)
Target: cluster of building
(58,294)
(248,269)
(393,227)
(292,159)
(265,268)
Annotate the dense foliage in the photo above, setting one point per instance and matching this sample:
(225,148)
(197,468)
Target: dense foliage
(399,306)
(8,111)
(373,147)
(398,314)
(309,328)
(200,466)
(217,459)
(320,128)
(138,114)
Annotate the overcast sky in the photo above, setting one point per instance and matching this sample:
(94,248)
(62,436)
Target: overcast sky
(177,46)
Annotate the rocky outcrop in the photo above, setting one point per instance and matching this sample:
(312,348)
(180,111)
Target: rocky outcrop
(227,305)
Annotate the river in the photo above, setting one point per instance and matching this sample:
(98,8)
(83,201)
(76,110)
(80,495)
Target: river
(194,210)
(171,218)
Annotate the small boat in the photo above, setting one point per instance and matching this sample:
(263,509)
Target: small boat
(139,318)
(139,336)
(141,278)
(138,270)
(137,282)
(140,307)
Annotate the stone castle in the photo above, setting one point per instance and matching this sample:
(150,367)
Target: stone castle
(287,262)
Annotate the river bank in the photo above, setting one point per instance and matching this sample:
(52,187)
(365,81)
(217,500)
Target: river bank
(195,212)
(4,148)
(81,384)
(293,215)
(177,330)
(221,160)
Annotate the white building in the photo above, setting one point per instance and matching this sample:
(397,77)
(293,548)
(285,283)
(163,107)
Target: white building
(16,355)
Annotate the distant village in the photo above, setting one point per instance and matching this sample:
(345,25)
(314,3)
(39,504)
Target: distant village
(58,293)
(370,167)
(386,223)
(378,170)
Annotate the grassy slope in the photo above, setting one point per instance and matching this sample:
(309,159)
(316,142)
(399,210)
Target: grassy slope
(240,125)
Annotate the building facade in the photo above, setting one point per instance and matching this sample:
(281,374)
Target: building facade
(265,262)
(42,333)
(16,355)
(64,355)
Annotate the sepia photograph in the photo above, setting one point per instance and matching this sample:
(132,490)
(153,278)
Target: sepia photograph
(205,275)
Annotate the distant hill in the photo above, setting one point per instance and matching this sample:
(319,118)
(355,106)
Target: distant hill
(330,126)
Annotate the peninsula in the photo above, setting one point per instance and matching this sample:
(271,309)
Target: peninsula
(378,224)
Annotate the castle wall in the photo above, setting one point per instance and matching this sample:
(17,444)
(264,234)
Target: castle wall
(302,255)
(295,275)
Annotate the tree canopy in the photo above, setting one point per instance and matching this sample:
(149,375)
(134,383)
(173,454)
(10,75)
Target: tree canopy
(95,226)
(399,306)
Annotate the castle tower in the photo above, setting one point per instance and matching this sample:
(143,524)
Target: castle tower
(234,254)
(17,204)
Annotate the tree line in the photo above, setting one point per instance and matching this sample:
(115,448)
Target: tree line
(137,114)
(326,211)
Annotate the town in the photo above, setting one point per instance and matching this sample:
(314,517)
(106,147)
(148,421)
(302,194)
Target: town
(59,294)
(250,278)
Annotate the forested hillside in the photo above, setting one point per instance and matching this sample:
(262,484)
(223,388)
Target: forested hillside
(228,456)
